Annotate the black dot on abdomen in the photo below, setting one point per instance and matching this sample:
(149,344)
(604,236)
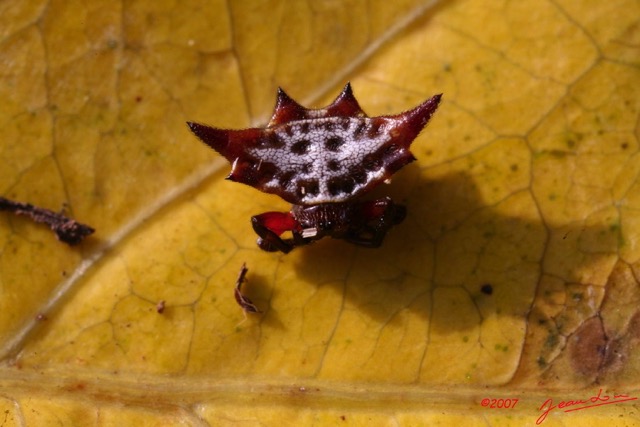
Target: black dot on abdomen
(333,165)
(300,147)
(341,184)
(333,143)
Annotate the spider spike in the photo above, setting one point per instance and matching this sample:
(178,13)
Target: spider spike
(218,139)
(286,110)
(410,123)
(228,142)
(345,105)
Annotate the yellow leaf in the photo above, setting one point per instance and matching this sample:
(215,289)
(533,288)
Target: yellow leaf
(515,277)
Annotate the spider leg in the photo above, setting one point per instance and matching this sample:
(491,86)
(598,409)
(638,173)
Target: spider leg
(269,226)
(380,216)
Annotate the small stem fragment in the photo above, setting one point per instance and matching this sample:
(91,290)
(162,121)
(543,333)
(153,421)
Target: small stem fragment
(247,305)
(161,306)
(67,230)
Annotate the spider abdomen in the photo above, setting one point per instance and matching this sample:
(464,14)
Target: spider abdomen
(328,155)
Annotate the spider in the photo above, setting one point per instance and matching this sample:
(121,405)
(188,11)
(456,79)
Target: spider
(321,161)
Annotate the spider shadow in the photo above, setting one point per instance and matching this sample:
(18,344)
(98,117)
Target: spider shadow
(455,260)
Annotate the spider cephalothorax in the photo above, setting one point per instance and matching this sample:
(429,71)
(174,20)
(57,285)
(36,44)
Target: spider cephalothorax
(321,161)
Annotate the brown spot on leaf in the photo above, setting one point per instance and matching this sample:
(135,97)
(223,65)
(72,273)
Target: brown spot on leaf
(620,349)
(486,289)
(615,357)
(633,330)
(587,347)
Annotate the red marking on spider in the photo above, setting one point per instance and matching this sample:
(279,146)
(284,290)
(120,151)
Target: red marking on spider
(322,161)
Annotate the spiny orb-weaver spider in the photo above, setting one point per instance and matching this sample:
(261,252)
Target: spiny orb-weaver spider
(322,161)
